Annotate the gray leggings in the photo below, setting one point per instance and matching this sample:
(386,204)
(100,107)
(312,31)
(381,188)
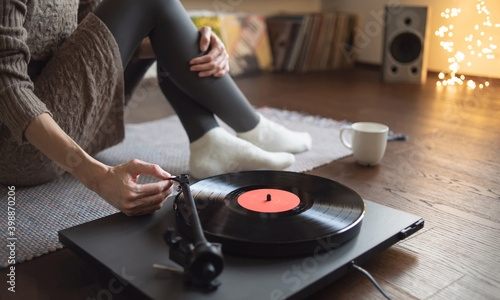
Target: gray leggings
(175,41)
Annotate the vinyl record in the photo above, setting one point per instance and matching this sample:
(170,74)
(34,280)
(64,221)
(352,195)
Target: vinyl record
(273,213)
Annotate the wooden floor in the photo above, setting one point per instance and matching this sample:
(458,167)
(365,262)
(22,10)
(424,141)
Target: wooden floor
(448,172)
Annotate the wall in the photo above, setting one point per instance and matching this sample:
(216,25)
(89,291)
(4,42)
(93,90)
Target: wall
(371,13)
(265,7)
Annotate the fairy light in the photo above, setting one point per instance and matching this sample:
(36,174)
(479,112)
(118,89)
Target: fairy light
(479,44)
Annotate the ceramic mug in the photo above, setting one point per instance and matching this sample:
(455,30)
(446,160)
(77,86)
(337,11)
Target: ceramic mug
(368,142)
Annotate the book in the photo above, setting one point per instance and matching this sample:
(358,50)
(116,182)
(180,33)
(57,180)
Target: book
(298,45)
(287,44)
(328,45)
(280,32)
(348,43)
(311,44)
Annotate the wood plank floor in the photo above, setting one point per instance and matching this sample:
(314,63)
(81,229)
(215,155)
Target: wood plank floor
(448,172)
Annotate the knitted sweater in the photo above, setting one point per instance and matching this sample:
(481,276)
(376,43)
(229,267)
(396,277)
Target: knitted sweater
(51,63)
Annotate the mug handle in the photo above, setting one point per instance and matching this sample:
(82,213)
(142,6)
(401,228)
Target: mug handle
(347,144)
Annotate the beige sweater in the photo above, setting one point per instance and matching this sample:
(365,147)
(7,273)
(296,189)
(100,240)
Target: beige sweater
(50,63)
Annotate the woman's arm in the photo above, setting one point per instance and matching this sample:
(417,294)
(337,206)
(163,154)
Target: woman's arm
(27,117)
(117,185)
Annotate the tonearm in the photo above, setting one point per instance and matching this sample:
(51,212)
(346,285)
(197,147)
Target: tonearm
(201,260)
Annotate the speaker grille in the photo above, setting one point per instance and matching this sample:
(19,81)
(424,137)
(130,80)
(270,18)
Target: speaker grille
(406,47)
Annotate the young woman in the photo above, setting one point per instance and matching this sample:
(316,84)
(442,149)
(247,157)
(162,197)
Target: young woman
(65,65)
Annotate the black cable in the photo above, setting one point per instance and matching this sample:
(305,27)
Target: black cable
(365,272)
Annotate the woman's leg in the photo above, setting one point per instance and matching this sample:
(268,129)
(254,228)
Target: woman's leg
(196,119)
(214,150)
(133,74)
(175,42)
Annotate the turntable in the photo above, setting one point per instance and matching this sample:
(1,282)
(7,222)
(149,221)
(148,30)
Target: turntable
(282,235)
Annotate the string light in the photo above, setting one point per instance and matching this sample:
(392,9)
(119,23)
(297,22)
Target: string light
(478,44)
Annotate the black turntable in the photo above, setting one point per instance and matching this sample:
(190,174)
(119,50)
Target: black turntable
(268,223)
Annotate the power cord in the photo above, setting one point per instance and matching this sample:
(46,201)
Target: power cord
(370,277)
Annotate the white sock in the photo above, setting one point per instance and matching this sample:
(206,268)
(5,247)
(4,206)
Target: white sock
(218,152)
(274,137)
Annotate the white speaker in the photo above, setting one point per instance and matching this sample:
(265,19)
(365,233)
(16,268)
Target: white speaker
(405,44)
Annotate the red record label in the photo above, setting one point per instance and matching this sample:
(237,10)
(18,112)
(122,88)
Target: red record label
(268,200)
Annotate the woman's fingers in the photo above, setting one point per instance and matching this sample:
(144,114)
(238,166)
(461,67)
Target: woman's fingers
(143,190)
(147,198)
(119,187)
(216,61)
(144,205)
(206,36)
(137,167)
(218,64)
(202,62)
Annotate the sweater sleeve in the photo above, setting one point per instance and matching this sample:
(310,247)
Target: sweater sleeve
(18,103)
(85,7)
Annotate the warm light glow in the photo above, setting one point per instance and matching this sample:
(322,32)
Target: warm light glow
(475,46)
(459,56)
(471,84)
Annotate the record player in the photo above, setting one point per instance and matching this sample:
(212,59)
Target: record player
(287,234)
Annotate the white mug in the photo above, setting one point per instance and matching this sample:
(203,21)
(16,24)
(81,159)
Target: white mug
(369,141)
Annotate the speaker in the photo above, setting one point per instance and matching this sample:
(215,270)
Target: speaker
(405,44)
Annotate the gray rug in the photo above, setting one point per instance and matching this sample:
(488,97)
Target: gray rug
(41,211)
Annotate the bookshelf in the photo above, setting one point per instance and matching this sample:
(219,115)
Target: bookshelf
(312,42)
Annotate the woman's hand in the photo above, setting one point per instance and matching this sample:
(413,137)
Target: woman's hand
(216,61)
(118,186)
